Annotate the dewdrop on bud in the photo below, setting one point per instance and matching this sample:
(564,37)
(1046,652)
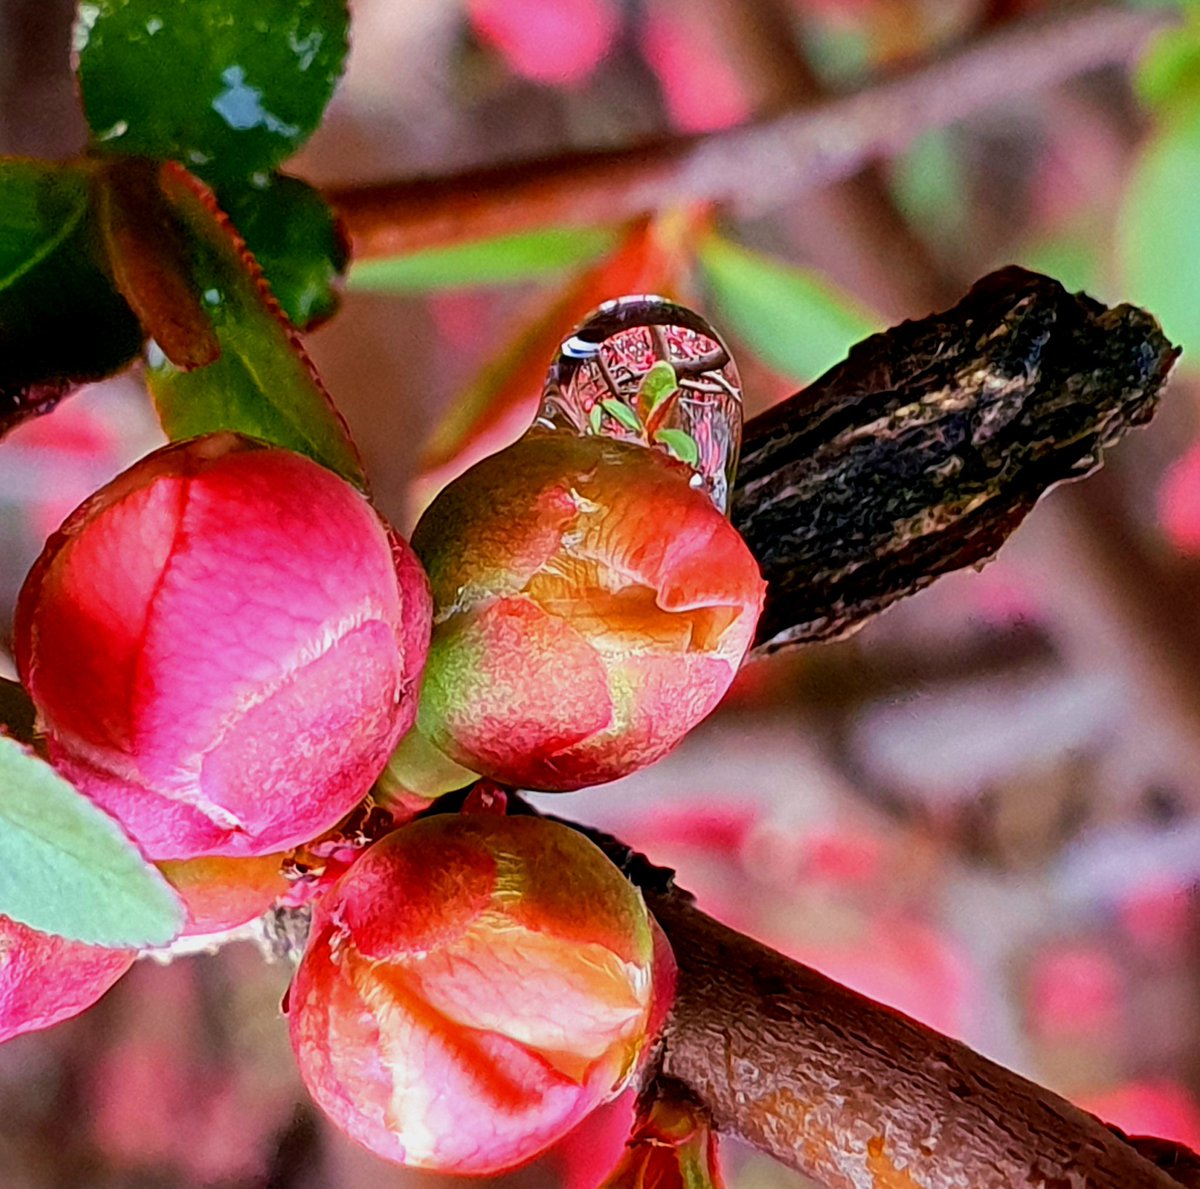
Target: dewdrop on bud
(644,369)
(592,602)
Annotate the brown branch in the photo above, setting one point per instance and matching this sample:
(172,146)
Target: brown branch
(759,165)
(854,1094)
(926,448)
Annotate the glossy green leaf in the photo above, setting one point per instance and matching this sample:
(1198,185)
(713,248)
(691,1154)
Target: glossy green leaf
(263,384)
(797,322)
(502,261)
(67,868)
(619,411)
(227,87)
(297,240)
(1158,233)
(681,444)
(61,320)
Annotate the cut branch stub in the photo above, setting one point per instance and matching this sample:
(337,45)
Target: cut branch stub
(929,444)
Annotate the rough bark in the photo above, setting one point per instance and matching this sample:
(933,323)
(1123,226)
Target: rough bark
(858,1096)
(924,449)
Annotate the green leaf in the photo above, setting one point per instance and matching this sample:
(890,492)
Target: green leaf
(228,87)
(502,261)
(928,180)
(298,242)
(595,418)
(1158,231)
(67,868)
(797,322)
(263,383)
(681,444)
(1075,255)
(619,411)
(1169,73)
(61,321)
(657,384)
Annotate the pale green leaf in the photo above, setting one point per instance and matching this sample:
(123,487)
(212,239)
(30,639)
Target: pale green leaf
(1158,232)
(622,413)
(505,260)
(67,868)
(657,384)
(681,444)
(800,324)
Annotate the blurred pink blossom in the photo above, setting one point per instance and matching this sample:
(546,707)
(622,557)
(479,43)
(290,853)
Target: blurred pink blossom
(558,42)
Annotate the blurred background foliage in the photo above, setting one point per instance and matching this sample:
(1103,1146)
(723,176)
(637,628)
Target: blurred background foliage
(985,807)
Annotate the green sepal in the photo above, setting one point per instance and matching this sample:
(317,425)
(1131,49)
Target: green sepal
(263,384)
(298,241)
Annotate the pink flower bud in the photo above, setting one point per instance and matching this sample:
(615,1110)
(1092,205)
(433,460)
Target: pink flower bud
(46,979)
(222,645)
(591,607)
(473,987)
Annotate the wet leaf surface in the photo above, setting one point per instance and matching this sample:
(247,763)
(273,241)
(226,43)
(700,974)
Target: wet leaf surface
(227,87)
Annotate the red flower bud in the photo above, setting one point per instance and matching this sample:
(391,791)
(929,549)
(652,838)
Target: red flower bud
(473,987)
(46,979)
(591,607)
(222,645)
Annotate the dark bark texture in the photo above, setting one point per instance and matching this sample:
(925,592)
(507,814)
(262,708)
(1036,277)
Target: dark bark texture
(923,450)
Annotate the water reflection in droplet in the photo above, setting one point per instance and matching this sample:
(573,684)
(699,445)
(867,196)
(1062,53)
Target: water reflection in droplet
(645,369)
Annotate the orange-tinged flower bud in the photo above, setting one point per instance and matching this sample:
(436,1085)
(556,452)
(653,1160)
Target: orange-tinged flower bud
(591,606)
(221,893)
(46,979)
(223,646)
(473,987)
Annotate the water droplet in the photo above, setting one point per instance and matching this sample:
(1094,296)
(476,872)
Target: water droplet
(85,21)
(117,130)
(305,48)
(240,106)
(154,25)
(644,369)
